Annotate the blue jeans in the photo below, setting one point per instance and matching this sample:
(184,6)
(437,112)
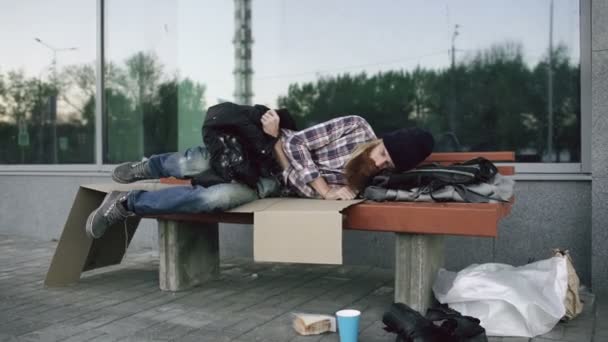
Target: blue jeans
(193,199)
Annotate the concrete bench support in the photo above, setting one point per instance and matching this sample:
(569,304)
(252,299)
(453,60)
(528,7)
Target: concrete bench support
(417,260)
(189,254)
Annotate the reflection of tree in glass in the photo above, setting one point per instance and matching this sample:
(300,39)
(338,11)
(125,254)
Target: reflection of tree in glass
(77,90)
(499,101)
(2,91)
(22,102)
(566,102)
(148,118)
(139,98)
(144,71)
(17,99)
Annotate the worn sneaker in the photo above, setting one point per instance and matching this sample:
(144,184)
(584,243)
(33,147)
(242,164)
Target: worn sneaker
(130,172)
(110,212)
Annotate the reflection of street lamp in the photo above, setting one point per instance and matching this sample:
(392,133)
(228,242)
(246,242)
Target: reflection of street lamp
(53,103)
(452,104)
(55,50)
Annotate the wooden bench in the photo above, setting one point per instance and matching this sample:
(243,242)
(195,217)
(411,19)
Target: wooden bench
(189,244)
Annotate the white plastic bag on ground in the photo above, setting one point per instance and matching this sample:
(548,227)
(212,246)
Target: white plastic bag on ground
(509,301)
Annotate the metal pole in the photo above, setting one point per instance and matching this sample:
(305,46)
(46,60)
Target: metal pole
(100,105)
(54,106)
(452,103)
(550,89)
(242,52)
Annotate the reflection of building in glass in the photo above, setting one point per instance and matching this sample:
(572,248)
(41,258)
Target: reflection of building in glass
(242,51)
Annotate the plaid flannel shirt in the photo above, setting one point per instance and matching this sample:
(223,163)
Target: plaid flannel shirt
(322,151)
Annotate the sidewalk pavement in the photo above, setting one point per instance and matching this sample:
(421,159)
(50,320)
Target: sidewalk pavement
(249,302)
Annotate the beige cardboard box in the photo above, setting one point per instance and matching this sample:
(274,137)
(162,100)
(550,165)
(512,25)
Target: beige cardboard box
(285,230)
(299,230)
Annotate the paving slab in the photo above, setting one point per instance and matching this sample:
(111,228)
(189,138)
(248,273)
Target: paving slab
(248,302)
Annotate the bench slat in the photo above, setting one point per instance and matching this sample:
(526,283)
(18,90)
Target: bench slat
(506,170)
(480,219)
(453,157)
(469,219)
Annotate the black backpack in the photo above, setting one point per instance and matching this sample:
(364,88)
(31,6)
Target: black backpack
(435,176)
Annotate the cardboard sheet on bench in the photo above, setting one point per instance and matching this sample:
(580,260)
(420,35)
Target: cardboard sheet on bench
(285,229)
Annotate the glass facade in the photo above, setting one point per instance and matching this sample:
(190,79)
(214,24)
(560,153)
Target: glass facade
(481,75)
(165,63)
(47,82)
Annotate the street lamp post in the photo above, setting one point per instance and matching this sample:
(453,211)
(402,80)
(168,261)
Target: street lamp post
(452,103)
(53,110)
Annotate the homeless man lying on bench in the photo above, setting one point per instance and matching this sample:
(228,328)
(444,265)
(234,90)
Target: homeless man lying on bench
(254,152)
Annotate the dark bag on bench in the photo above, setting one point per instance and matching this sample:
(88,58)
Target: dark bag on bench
(435,176)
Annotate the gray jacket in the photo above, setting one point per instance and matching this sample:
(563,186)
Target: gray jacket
(498,189)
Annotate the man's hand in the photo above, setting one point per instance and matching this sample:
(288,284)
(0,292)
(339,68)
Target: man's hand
(270,123)
(329,193)
(343,193)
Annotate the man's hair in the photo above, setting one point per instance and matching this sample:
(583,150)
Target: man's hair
(360,167)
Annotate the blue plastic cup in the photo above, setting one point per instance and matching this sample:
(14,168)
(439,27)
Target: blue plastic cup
(348,325)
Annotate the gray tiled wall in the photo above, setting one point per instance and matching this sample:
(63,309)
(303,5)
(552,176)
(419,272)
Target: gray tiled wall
(599,22)
(599,144)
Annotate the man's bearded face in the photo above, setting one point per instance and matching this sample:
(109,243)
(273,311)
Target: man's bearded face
(369,163)
(360,169)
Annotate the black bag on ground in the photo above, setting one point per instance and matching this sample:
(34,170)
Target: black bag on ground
(441,324)
(462,328)
(411,326)
(435,176)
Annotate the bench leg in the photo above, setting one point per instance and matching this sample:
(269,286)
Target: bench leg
(417,260)
(189,254)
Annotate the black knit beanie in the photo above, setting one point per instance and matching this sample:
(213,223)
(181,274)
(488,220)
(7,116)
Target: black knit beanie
(407,147)
(286,120)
